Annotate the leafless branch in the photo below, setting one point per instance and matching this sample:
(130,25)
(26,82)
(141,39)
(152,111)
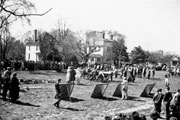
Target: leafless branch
(23,14)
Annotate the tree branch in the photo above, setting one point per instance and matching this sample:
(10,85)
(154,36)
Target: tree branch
(23,14)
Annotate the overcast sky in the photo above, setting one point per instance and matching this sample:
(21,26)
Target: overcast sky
(152,24)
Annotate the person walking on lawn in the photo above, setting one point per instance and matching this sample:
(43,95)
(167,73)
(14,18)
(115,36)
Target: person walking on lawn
(58,95)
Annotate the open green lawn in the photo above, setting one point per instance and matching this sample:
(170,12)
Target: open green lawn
(37,102)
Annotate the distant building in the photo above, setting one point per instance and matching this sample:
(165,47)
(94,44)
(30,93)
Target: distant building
(174,61)
(103,43)
(32,51)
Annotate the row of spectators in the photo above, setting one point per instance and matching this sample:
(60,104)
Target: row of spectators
(31,65)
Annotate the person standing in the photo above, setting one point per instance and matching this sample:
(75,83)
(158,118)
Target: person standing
(124,87)
(148,73)
(166,100)
(153,72)
(78,75)
(58,95)
(166,81)
(157,99)
(14,87)
(70,76)
(175,105)
(7,75)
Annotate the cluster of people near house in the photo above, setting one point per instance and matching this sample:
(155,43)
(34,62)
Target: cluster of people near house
(31,65)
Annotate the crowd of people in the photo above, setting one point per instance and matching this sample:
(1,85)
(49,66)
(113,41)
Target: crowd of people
(31,65)
(103,73)
(173,71)
(97,72)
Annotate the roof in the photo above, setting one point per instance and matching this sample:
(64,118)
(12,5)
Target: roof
(175,58)
(32,43)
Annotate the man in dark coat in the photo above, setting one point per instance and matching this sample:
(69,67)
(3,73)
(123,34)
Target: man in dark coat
(157,99)
(14,88)
(58,95)
(166,100)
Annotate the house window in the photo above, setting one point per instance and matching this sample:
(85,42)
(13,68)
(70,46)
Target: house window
(29,56)
(108,49)
(29,47)
(36,47)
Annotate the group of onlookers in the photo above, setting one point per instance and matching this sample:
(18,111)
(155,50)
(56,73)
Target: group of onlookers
(171,104)
(32,65)
(128,71)
(173,71)
(9,83)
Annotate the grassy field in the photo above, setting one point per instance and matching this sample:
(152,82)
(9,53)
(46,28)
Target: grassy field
(37,102)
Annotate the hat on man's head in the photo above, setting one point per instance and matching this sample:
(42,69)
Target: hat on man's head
(159,90)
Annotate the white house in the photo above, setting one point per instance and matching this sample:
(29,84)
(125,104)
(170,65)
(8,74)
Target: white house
(103,43)
(32,51)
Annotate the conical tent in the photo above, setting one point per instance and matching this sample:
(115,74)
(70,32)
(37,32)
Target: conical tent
(147,90)
(117,92)
(66,90)
(99,90)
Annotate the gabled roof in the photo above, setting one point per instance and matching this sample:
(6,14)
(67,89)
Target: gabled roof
(175,58)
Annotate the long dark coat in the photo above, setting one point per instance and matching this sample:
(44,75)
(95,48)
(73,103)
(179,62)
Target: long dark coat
(14,88)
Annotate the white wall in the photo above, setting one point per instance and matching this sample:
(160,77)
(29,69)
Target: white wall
(32,53)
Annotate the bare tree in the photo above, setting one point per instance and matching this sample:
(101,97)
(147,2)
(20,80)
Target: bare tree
(60,34)
(84,48)
(11,10)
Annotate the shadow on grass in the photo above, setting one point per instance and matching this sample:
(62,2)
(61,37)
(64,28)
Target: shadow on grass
(105,98)
(72,99)
(26,104)
(82,84)
(72,109)
(133,84)
(149,96)
(135,99)
(155,79)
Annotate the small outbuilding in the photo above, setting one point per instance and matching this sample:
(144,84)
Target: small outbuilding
(174,61)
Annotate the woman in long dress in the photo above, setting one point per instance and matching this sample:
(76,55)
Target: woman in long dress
(14,87)
(78,75)
(70,76)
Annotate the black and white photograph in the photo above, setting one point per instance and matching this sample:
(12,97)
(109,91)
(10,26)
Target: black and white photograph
(90,60)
